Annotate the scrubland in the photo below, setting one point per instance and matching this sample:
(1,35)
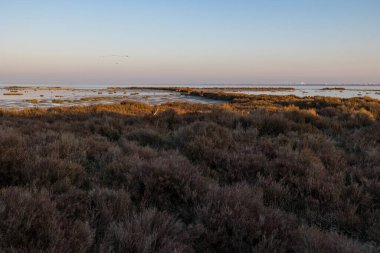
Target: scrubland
(259,174)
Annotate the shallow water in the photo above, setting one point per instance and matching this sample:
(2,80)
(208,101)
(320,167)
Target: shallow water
(40,98)
(45,98)
(312,91)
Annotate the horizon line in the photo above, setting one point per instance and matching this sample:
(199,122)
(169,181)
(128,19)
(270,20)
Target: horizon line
(193,84)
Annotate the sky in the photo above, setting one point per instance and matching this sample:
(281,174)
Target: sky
(124,42)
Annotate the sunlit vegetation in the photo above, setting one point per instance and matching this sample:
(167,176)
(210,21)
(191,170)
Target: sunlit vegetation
(35,88)
(258,174)
(58,100)
(33,101)
(13,93)
(100,98)
(334,88)
(206,88)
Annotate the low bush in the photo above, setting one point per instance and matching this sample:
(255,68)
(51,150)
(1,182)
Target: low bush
(150,231)
(30,222)
(260,174)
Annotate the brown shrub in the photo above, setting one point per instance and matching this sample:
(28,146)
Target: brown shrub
(234,219)
(148,137)
(30,222)
(202,141)
(308,239)
(315,160)
(150,231)
(168,182)
(273,124)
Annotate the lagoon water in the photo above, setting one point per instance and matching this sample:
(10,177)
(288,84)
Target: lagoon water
(351,91)
(43,97)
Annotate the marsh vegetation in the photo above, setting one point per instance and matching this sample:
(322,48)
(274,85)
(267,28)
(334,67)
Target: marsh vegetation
(257,174)
(13,93)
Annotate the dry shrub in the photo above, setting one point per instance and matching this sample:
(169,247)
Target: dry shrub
(234,219)
(203,141)
(149,231)
(13,157)
(311,185)
(309,239)
(273,125)
(98,208)
(49,171)
(30,222)
(99,153)
(168,119)
(148,137)
(168,182)
(263,174)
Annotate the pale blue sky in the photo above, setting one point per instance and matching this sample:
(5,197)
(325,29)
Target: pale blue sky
(189,41)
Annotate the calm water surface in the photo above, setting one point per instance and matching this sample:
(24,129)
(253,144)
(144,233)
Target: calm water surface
(372,91)
(75,95)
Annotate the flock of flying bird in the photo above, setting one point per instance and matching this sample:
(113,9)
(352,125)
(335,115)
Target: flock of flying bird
(116,56)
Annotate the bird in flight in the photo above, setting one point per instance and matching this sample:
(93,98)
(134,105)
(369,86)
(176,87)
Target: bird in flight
(118,57)
(115,55)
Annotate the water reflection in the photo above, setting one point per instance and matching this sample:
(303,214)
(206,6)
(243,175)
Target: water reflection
(49,97)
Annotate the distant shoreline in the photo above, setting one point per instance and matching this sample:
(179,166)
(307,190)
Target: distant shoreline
(71,86)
